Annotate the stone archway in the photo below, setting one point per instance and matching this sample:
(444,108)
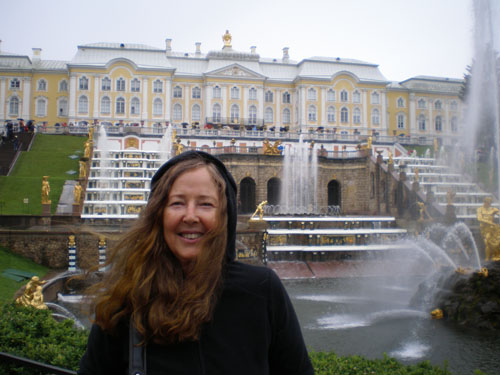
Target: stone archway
(247,203)
(273,191)
(334,196)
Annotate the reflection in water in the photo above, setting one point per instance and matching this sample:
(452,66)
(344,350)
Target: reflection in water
(371,316)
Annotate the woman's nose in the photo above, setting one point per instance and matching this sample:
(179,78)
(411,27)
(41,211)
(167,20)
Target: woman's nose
(190,215)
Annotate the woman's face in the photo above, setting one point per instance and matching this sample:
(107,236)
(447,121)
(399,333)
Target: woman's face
(191,211)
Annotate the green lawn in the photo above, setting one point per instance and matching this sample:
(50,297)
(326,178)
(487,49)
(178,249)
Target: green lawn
(51,155)
(10,260)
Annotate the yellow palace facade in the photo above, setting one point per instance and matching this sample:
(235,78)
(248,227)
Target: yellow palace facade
(135,84)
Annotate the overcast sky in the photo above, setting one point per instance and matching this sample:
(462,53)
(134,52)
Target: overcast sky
(404,37)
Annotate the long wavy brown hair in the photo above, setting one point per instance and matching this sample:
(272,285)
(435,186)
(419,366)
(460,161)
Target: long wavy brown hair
(145,280)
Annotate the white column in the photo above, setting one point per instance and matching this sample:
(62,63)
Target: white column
(145,104)
(26,98)
(412,121)
(384,114)
(278,109)
(446,122)
(72,96)
(224,101)
(2,98)
(260,104)
(323,107)
(168,99)
(187,111)
(207,101)
(244,100)
(302,107)
(96,96)
(364,105)
(430,127)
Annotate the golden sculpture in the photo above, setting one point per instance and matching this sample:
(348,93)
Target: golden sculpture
(227,38)
(369,143)
(450,194)
(83,169)
(437,314)
(32,295)
(271,149)
(91,133)
(86,152)
(45,190)
(77,193)
(391,161)
(490,231)
(259,211)
(178,147)
(416,171)
(71,240)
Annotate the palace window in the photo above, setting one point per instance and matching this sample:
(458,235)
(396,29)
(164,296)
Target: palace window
(344,115)
(177,92)
(344,96)
(421,122)
(439,124)
(235,93)
(196,93)
(311,94)
(401,103)
(120,84)
(356,116)
(62,107)
(42,85)
(196,113)
(235,113)
(14,106)
(217,92)
(269,97)
(375,98)
(63,85)
(311,113)
(106,84)
(401,121)
(421,104)
(330,95)
(157,107)
(83,83)
(177,112)
(83,104)
(216,113)
(41,107)
(286,116)
(453,106)
(438,105)
(375,117)
(454,124)
(135,106)
(135,85)
(120,106)
(286,97)
(330,114)
(268,115)
(15,83)
(158,86)
(105,105)
(356,97)
(253,115)
(252,93)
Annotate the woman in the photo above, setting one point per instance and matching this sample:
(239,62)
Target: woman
(174,280)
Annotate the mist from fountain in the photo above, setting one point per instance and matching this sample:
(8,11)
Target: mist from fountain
(300,179)
(165,146)
(104,147)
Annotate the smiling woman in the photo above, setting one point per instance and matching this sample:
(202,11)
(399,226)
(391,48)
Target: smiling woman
(174,283)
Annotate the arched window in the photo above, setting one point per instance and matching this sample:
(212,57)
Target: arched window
(375,117)
(157,107)
(120,84)
(247,195)
(344,115)
(120,106)
(311,113)
(177,92)
(375,98)
(311,94)
(269,96)
(62,107)
(330,114)
(216,113)
(439,123)
(330,95)
(135,106)
(453,106)
(438,105)
(401,121)
(401,103)
(106,84)
(195,113)
(196,93)
(252,93)
(217,92)
(356,116)
(14,106)
(235,93)
(177,112)
(83,83)
(356,97)
(63,85)
(252,113)
(83,104)
(268,116)
(286,116)
(158,86)
(421,122)
(273,191)
(235,113)
(105,105)
(42,85)
(344,96)
(421,104)
(41,107)
(135,85)
(286,97)
(15,83)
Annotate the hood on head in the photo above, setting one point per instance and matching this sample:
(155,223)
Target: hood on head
(231,190)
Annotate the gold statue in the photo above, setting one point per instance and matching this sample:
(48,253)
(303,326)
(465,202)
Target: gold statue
(178,147)
(259,211)
(436,146)
(102,241)
(45,190)
(77,193)
(450,194)
(33,295)
(91,132)
(71,240)
(391,161)
(227,38)
(490,231)
(416,171)
(83,169)
(369,143)
(86,153)
(437,314)
(271,150)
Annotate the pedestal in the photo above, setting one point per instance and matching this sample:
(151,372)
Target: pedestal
(256,224)
(46,209)
(76,209)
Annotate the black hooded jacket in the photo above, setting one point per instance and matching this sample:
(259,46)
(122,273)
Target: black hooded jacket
(254,329)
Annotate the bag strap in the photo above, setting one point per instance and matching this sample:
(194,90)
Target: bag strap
(137,353)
